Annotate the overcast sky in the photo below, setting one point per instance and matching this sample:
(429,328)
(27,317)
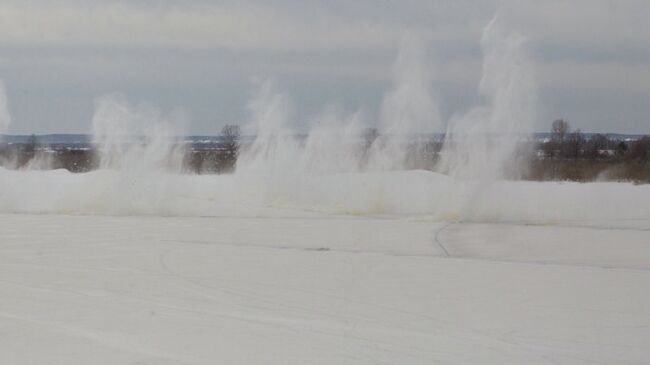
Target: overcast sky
(56,57)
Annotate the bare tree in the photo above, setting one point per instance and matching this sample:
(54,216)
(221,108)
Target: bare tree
(32,144)
(230,141)
(555,147)
(575,144)
(621,149)
(641,150)
(559,130)
(549,148)
(596,144)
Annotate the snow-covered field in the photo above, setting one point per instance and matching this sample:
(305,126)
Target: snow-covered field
(322,289)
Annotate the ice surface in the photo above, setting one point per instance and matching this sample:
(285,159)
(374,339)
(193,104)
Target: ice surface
(319,290)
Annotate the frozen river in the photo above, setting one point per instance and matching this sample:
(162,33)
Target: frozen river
(321,289)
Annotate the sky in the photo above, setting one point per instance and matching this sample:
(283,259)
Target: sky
(200,57)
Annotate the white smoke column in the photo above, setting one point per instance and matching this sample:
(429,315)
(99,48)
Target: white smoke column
(482,142)
(5,117)
(407,111)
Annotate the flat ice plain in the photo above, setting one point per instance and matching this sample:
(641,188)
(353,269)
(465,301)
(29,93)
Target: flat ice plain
(292,286)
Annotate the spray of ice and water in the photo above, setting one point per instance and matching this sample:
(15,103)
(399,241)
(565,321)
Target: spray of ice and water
(135,138)
(482,141)
(341,166)
(409,111)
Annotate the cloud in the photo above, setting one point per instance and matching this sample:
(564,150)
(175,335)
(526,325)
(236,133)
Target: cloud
(178,26)
(202,53)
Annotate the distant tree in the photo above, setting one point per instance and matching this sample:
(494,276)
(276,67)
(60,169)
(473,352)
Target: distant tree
(621,149)
(549,148)
(556,146)
(641,149)
(32,144)
(230,139)
(559,130)
(596,144)
(574,145)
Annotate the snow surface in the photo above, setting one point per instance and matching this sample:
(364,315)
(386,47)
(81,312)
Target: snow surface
(322,289)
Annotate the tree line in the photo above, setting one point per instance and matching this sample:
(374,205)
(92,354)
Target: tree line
(565,143)
(568,154)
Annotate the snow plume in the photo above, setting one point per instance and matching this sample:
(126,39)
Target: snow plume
(281,166)
(481,143)
(275,144)
(340,142)
(331,146)
(140,163)
(409,110)
(340,166)
(135,138)
(5,117)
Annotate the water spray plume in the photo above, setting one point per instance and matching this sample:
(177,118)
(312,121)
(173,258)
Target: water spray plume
(275,143)
(331,146)
(481,142)
(135,138)
(409,110)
